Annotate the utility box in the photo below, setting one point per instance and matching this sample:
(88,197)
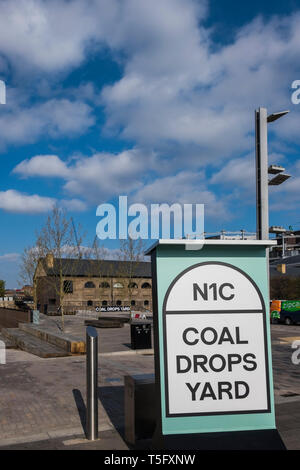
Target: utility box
(212,345)
(139,407)
(140,335)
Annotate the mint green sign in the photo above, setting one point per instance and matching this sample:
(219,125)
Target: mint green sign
(215,369)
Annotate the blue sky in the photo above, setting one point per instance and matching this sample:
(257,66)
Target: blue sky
(154,100)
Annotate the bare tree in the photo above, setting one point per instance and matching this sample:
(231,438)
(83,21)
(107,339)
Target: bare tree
(132,253)
(57,238)
(28,264)
(95,254)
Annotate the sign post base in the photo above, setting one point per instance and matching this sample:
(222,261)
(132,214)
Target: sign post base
(268,439)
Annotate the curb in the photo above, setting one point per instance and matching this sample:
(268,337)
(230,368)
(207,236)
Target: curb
(45,436)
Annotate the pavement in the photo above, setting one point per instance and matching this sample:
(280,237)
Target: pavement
(42,401)
(116,340)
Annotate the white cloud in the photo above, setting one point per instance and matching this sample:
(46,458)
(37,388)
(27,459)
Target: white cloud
(14,201)
(104,175)
(42,165)
(184,187)
(73,205)
(179,95)
(10,257)
(286,197)
(53,118)
(93,178)
(50,35)
(238,172)
(176,89)
(21,203)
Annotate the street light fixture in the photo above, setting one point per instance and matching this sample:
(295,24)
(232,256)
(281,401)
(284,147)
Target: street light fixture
(279,179)
(273,117)
(280,176)
(262,170)
(275,169)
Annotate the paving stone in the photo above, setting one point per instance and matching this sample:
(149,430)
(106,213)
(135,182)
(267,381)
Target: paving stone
(41,396)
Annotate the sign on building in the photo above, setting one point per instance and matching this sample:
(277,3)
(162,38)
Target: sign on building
(113,308)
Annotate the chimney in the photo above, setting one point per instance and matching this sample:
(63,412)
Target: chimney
(50,260)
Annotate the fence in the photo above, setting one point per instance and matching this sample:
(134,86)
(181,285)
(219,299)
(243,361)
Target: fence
(10,318)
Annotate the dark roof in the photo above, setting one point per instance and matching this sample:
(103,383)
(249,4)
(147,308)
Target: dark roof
(290,271)
(292,266)
(288,260)
(98,268)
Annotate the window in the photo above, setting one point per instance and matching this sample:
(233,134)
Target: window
(119,302)
(146,302)
(104,285)
(52,301)
(104,303)
(132,303)
(146,285)
(89,285)
(68,287)
(90,303)
(132,285)
(118,285)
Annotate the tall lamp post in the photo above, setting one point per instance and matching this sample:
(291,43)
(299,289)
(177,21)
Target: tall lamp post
(263,170)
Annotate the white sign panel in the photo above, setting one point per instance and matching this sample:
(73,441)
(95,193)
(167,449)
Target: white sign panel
(215,343)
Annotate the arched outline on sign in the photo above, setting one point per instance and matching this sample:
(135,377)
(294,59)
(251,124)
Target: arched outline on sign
(165,313)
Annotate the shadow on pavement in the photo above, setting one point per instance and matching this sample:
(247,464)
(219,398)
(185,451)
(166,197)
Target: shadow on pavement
(81,408)
(112,400)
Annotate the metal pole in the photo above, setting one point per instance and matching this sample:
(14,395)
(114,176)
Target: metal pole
(262,197)
(92,382)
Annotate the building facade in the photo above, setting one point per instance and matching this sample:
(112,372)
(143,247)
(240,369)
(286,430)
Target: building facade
(79,284)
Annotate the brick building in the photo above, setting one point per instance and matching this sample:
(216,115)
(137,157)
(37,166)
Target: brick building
(91,283)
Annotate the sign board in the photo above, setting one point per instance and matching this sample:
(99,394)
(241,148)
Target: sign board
(215,343)
(116,308)
(212,340)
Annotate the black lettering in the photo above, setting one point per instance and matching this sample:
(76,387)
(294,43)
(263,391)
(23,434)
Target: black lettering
(238,339)
(203,336)
(224,387)
(207,392)
(233,359)
(213,367)
(196,289)
(180,369)
(193,390)
(226,336)
(184,337)
(200,361)
(221,289)
(239,395)
(214,287)
(254,365)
